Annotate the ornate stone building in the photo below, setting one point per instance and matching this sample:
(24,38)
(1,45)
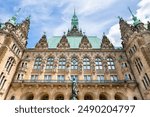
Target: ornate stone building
(102,70)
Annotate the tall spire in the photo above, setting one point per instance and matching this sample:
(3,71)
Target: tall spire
(125,29)
(14,18)
(135,20)
(74,20)
(74,26)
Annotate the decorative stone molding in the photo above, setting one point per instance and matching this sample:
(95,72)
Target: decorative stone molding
(85,44)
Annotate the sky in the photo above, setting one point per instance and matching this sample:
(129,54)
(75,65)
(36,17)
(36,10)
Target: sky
(54,16)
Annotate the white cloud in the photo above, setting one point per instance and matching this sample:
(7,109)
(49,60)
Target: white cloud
(143,13)
(114,35)
(87,7)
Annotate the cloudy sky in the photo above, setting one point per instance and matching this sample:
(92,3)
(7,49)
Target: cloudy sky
(54,16)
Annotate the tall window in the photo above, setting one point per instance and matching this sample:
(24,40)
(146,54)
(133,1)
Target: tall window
(20,77)
(61,77)
(111,64)
(100,78)
(50,62)
(87,77)
(128,77)
(9,63)
(2,80)
(34,77)
(37,63)
(146,81)
(86,63)
(124,65)
(98,63)
(62,63)
(113,78)
(74,63)
(138,64)
(47,77)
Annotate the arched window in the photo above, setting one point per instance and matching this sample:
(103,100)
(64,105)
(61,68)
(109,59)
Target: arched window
(135,98)
(74,63)
(118,97)
(111,64)
(2,78)
(98,63)
(62,63)
(12,97)
(50,62)
(86,63)
(102,97)
(59,97)
(45,97)
(20,77)
(138,64)
(124,65)
(37,63)
(88,97)
(30,97)
(9,63)
(2,82)
(128,76)
(1,75)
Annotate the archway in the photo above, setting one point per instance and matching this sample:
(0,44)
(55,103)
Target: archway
(27,96)
(88,97)
(45,97)
(59,97)
(120,96)
(103,97)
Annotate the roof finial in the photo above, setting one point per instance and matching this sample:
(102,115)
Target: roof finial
(74,11)
(29,17)
(120,18)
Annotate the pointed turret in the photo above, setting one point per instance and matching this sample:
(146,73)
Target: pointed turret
(63,44)
(106,44)
(74,26)
(74,20)
(125,29)
(42,44)
(25,26)
(85,44)
(22,31)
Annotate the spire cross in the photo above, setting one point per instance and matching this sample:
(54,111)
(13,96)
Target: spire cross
(74,11)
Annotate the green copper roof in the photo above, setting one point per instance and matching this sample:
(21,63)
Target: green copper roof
(136,21)
(74,20)
(74,41)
